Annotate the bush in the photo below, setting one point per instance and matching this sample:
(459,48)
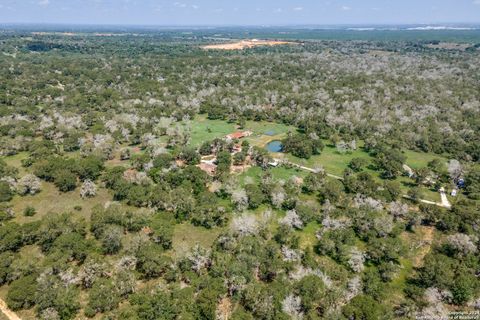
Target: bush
(255,196)
(29,211)
(6,260)
(6,193)
(151,261)
(21,293)
(415,194)
(463,289)
(112,239)
(102,297)
(29,184)
(72,246)
(89,168)
(155,306)
(357,164)
(65,180)
(363,307)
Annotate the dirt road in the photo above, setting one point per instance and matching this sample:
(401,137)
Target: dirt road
(444,203)
(307,168)
(444,198)
(7,312)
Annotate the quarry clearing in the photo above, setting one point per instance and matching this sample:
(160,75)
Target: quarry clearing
(244,44)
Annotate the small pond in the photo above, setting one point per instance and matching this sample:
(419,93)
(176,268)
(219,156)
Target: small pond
(275,146)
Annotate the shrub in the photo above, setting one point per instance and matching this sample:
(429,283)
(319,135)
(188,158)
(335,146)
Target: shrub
(29,184)
(29,211)
(21,294)
(102,297)
(65,180)
(6,193)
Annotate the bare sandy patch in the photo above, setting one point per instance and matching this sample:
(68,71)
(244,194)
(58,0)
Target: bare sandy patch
(245,44)
(69,34)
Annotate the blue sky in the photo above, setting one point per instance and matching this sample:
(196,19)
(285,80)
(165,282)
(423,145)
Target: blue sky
(239,12)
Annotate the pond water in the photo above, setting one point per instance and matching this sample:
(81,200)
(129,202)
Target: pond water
(275,146)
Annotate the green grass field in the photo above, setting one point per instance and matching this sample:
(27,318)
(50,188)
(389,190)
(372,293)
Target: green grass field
(417,160)
(308,236)
(186,236)
(332,161)
(335,163)
(204,129)
(279,173)
(16,161)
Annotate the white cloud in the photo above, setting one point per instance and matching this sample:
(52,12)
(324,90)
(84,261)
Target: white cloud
(44,2)
(194,6)
(477,2)
(278,10)
(180,5)
(346,8)
(298,9)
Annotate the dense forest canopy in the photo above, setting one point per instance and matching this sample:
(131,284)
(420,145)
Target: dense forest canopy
(136,180)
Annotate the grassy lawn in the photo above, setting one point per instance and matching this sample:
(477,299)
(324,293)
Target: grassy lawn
(308,235)
(51,200)
(427,194)
(16,161)
(397,285)
(268,128)
(417,160)
(264,132)
(186,236)
(335,163)
(204,129)
(332,161)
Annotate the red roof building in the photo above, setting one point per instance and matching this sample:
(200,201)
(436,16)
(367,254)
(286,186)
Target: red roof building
(239,135)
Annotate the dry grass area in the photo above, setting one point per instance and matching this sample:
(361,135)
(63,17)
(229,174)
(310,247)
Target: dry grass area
(52,200)
(419,243)
(426,245)
(224,309)
(186,236)
(380,53)
(244,44)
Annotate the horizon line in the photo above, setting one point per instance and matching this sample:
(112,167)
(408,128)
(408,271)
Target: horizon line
(239,25)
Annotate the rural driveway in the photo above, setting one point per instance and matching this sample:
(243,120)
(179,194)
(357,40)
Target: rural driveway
(7,312)
(444,198)
(444,203)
